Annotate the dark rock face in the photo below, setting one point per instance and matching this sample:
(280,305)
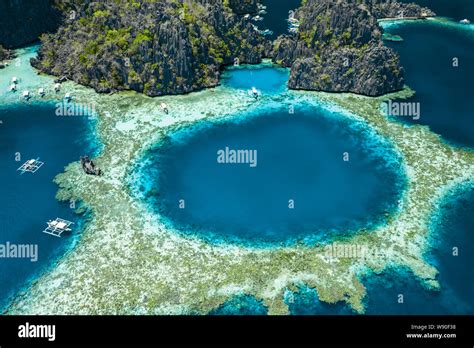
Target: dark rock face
(4,54)
(393,9)
(89,166)
(338,48)
(157,48)
(22,21)
(344,70)
(243,6)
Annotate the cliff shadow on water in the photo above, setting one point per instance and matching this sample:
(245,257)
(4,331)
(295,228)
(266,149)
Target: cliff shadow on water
(23,21)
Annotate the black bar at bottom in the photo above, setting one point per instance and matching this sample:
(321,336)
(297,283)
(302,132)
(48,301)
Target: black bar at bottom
(415,330)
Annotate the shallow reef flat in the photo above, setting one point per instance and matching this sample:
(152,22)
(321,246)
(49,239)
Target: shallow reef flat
(388,24)
(128,262)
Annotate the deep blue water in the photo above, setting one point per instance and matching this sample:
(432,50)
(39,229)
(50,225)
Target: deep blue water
(306,302)
(451,228)
(277,15)
(446,105)
(456,9)
(28,200)
(299,157)
(241,305)
(266,79)
(443,91)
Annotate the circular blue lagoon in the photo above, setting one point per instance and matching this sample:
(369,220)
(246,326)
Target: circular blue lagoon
(273,177)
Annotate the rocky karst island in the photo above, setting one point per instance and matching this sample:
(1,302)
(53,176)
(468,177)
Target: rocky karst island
(343,158)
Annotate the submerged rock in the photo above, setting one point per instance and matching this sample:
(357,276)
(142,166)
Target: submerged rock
(89,167)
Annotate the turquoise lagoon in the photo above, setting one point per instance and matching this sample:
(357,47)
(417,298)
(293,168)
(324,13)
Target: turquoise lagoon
(444,93)
(300,189)
(266,78)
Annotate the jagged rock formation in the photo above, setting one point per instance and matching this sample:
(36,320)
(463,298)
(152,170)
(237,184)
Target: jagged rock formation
(4,55)
(22,21)
(393,9)
(243,6)
(338,48)
(172,47)
(164,47)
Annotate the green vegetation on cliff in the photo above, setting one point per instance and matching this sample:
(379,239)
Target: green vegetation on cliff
(155,47)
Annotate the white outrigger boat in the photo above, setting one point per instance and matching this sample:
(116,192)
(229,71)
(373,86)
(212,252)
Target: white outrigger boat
(57,227)
(164,107)
(254,92)
(30,166)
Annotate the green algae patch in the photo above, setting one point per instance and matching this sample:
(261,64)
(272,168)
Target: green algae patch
(129,262)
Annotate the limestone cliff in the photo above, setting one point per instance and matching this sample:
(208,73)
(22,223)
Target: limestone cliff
(338,48)
(165,47)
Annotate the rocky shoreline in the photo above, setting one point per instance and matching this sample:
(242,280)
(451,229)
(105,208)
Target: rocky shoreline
(169,47)
(156,48)
(339,48)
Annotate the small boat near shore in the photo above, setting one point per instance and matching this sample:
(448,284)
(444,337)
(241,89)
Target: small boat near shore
(57,227)
(465,21)
(67,97)
(164,107)
(254,92)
